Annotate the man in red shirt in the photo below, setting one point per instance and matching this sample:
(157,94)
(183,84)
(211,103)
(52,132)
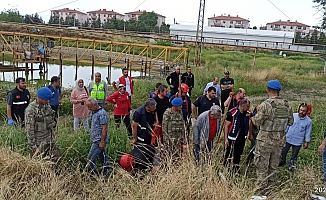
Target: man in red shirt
(126,81)
(122,107)
(205,130)
(233,101)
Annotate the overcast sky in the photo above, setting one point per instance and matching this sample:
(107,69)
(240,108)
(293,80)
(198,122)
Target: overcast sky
(259,12)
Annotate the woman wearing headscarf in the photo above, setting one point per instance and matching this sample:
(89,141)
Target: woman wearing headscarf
(78,97)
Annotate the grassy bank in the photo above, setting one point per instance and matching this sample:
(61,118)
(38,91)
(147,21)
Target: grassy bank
(25,178)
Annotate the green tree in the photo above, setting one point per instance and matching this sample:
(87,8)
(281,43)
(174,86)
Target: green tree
(11,15)
(165,28)
(54,19)
(86,23)
(96,23)
(322,38)
(131,25)
(321,7)
(37,19)
(298,38)
(147,22)
(314,37)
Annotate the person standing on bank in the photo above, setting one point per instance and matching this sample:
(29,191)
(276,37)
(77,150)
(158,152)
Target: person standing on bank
(40,124)
(122,107)
(205,130)
(297,135)
(205,102)
(56,95)
(78,98)
(227,85)
(99,137)
(126,81)
(98,89)
(17,101)
(189,79)
(173,81)
(273,116)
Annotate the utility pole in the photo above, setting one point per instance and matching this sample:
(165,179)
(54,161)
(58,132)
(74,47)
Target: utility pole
(199,33)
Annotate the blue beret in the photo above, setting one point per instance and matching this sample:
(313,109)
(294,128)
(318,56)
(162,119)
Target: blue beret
(44,93)
(177,102)
(274,84)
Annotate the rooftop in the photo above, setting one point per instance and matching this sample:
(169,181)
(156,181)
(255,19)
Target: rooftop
(287,23)
(139,12)
(228,18)
(104,11)
(67,10)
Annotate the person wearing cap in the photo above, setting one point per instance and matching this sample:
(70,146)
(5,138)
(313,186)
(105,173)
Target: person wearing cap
(205,130)
(99,137)
(189,79)
(174,80)
(143,122)
(297,135)
(126,81)
(17,101)
(173,127)
(186,106)
(273,116)
(40,126)
(214,84)
(56,99)
(205,102)
(233,100)
(227,85)
(98,89)
(122,107)
(236,129)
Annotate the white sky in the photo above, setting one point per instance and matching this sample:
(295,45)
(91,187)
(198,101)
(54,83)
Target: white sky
(259,12)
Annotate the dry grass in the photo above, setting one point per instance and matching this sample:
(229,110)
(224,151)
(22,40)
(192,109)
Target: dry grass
(265,75)
(25,178)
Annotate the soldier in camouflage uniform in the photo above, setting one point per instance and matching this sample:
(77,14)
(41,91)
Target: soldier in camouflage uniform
(173,127)
(40,125)
(273,116)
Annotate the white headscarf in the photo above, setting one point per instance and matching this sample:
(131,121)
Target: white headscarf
(77,85)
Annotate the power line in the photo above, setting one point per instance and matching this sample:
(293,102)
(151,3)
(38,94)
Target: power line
(59,6)
(140,4)
(279,9)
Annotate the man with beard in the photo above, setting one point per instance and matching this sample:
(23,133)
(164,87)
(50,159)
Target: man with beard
(126,81)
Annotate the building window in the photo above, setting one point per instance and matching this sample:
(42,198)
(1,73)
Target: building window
(303,33)
(291,27)
(299,27)
(231,22)
(89,14)
(304,28)
(66,13)
(271,26)
(105,20)
(223,22)
(104,15)
(284,27)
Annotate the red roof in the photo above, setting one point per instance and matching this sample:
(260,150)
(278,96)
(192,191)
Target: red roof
(142,12)
(287,23)
(67,10)
(228,18)
(104,11)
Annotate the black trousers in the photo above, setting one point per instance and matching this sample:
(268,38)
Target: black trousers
(234,151)
(126,121)
(224,97)
(294,157)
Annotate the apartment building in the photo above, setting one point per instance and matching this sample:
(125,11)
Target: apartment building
(104,15)
(68,13)
(289,26)
(228,21)
(134,15)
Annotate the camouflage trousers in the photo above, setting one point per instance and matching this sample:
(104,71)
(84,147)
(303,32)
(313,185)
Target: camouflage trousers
(49,151)
(267,158)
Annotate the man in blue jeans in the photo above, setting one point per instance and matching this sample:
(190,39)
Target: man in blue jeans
(322,150)
(99,137)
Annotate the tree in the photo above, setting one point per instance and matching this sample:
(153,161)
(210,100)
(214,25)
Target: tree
(131,25)
(165,28)
(37,19)
(11,15)
(96,23)
(298,38)
(147,22)
(86,23)
(54,19)
(314,37)
(321,7)
(322,38)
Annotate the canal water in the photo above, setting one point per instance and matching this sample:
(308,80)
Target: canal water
(68,73)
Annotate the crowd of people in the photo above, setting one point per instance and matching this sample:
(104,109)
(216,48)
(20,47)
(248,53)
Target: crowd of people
(161,126)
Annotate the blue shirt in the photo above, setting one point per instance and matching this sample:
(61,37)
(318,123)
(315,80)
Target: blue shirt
(217,87)
(55,95)
(99,118)
(300,131)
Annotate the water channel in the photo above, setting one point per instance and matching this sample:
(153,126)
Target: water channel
(68,73)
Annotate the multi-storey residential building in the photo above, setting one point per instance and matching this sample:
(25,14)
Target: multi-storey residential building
(104,15)
(228,21)
(68,13)
(289,27)
(134,15)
